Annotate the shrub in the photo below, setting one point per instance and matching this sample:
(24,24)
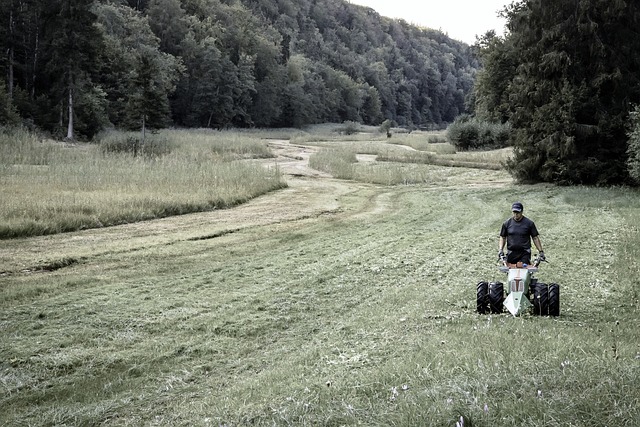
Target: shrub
(153,146)
(437,139)
(469,133)
(350,128)
(385,127)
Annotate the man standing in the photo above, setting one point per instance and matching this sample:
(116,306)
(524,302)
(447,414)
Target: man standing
(517,232)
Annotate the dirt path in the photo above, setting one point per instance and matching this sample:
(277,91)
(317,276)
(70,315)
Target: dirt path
(310,194)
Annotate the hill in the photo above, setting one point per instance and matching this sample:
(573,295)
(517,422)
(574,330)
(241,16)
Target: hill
(212,63)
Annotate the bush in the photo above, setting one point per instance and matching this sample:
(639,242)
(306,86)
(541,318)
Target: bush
(385,127)
(154,146)
(470,133)
(350,128)
(633,150)
(437,139)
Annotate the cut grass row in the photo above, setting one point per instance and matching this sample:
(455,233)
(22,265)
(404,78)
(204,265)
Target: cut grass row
(398,165)
(340,320)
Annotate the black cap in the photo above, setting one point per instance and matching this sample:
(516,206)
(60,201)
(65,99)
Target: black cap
(517,207)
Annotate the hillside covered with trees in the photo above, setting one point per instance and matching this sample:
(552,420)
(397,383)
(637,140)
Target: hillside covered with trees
(74,67)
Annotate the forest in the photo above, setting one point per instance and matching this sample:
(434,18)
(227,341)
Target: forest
(566,77)
(74,67)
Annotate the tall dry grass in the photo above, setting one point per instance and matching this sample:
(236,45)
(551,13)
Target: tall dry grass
(49,187)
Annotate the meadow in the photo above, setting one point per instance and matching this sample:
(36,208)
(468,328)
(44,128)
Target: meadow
(49,187)
(327,302)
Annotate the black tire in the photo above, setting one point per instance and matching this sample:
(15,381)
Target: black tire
(533,283)
(554,299)
(496,296)
(482,297)
(540,299)
(532,286)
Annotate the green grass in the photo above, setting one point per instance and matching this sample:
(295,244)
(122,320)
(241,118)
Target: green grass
(360,317)
(433,141)
(415,148)
(339,162)
(357,315)
(47,187)
(399,166)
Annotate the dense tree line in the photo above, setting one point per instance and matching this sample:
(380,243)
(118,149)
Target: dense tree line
(566,77)
(72,67)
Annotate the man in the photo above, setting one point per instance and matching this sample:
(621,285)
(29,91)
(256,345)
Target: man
(517,232)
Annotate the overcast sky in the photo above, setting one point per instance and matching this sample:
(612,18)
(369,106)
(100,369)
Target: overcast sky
(461,19)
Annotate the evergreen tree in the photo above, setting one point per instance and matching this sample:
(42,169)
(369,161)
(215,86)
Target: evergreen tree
(246,90)
(499,63)
(21,39)
(168,22)
(128,38)
(8,114)
(634,145)
(148,103)
(71,61)
(8,12)
(570,74)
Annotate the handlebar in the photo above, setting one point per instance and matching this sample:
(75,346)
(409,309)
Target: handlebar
(504,266)
(539,259)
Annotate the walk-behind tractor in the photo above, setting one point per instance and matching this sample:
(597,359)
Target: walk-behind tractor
(522,292)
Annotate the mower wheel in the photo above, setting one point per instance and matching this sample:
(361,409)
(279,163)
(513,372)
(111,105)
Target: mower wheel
(482,297)
(540,297)
(496,296)
(554,299)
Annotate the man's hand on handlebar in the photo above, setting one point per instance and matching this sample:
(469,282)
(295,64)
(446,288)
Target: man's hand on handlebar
(540,258)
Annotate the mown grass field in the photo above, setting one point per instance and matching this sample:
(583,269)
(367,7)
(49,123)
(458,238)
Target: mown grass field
(360,315)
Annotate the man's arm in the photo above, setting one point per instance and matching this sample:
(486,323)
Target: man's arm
(501,257)
(538,243)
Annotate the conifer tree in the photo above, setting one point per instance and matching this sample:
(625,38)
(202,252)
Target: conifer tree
(565,77)
(73,57)
(148,105)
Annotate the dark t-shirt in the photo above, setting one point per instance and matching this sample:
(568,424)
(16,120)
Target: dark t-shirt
(518,234)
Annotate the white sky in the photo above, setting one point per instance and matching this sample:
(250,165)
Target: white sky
(460,19)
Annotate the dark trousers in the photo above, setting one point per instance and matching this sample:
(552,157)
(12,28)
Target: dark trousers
(515,257)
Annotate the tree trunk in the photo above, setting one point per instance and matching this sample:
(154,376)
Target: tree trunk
(144,128)
(70,125)
(35,64)
(11,73)
(11,25)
